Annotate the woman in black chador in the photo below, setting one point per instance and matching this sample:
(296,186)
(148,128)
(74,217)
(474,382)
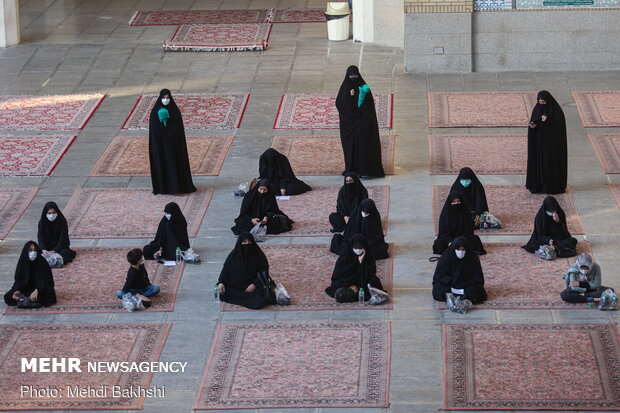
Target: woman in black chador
(455,221)
(259,205)
(550,229)
(349,197)
(53,234)
(359,130)
(459,272)
(170,171)
(275,167)
(471,188)
(171,233)
(33,278)
(546,147)
(239,283)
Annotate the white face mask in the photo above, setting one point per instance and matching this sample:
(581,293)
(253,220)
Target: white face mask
(51,217)
(460,254)
(358,251)
(32,255)
(168,216)
(364,214)
(165,102)
(584,272)
(549,213)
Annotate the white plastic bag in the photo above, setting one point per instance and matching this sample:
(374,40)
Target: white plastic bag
(132,303)
(190,257)
(242,189)
(489,221)
(259,231)
(282,297)
(377,296)
(546,252)
(54,259)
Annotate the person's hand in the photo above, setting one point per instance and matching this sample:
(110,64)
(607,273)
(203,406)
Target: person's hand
(46,251)
(551,242)
(265,220)
(354,288)
(221,287)
(250,288)
(544,117)
(532,125)
(556,217)
(282,191)
(16,295)
(34,297)
(255,221)
(477,220)
(352,92)
(346,220)
(574,283)
(157,254)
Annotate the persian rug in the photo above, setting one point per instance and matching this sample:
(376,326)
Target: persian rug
(13,203)
(305,270)
(306,364)
(32,155)
(615,190)
(318,111)
(311,210)
(515,207)
(607,147)
(298,16)
(314,155)
(129,156)
(53,112)
(508,286)
(176,17)
(531,367)
(234,37)
(598,108)
(480,109)
(488,154)
(200,111)
(107,343)
(79,290)
(129,212)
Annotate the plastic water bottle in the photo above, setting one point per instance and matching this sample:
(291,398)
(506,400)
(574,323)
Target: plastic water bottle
(360,296)
(178,257)
(216,293)
(613,305)
(482,219)
(604,303)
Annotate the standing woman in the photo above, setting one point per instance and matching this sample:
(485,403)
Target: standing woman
(349,197)
(359,130)
(33,278)
(171,233)
(53,233)
(546,147)
(170,171)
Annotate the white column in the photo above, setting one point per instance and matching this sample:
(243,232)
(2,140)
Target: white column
(363,21)
(9,23)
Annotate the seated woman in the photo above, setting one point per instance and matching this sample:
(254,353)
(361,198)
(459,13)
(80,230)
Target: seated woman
(365,220)
(355,268)
(33,278)
(583,281)
(53,233)
(459,272)
(550,229)
(349,197)
(260,206)
(238,282)
(137,281)
(171,233)
(274,166)
(455,221)
(473,193)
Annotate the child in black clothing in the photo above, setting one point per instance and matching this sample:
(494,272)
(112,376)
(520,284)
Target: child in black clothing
(137,281)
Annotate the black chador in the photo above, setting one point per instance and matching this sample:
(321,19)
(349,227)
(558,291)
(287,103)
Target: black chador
(547,229)
(171,233)
(472,190)
(454,221)
(365,220)
(349,197)
(32,273)
(260,202)
(53,233)
(275,167)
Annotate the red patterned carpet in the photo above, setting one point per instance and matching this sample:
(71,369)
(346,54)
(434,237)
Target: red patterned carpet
(515,207)
(88,342)
(200,111)
(308,156)
(129,156)
(615,190)
(219,37)
(175,17)
(311,210)
(480,109)
(79,291)
(311,364)
(53,112)
(318,111)
(32,155)
(607,146)
(13,203)
(564,367)
(488,154)
(298,16)
(129,213)
(598,108)
(305,270)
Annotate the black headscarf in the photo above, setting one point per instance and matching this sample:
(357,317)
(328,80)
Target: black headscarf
(172,233)
(547,153)
(37,274)
(459,273)
(474,194)
(545,228)
(170,170)
(370,227)
(350,195)
(455,220)
(53,236)
(275,167)
(359,129)
(256,205)
(243,264)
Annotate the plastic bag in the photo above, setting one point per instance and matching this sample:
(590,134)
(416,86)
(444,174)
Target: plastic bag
(377,296)
(457,304)
(132,303)
(546,252)
(489,221)
(242,189)
(190,257)
(54,259)
(282,297)
(609,301)
(259,231)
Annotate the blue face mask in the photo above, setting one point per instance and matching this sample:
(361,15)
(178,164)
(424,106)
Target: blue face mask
(465,182)
(549,213)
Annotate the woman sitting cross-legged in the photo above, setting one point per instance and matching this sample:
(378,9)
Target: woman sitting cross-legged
(349,197)
(53,233)
(171,234)
(259,205)
(550,229)
(455,221)
(583,281)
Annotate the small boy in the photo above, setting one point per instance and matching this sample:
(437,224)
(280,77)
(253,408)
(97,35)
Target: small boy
(137,281)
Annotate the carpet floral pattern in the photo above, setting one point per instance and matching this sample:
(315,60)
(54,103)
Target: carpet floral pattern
(199,111)
(311,364)
(129,213)
(598,109)
(13,203)
(89,342)
(308,156)
(298,16)
(318,111)
(532,367)
(515,207)
(491,154)
(176,17)
(607,146)
(32,155)
(219,37)
(129,156)
(480,109)
(305,270)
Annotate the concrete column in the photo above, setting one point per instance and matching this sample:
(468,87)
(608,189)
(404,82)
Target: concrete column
(9,23)
(363,21)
